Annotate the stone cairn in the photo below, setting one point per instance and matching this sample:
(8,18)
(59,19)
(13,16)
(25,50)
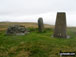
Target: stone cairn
(16,30)
(60,26)
(40,25)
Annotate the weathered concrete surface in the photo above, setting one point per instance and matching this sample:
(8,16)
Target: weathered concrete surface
(60,25)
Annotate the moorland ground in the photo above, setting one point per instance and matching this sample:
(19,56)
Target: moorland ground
(35,44)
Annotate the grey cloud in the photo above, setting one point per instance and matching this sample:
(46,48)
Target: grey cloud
(36,6)
(30,10)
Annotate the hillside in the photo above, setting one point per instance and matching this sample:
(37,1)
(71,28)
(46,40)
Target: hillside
(4,25)
(35,44)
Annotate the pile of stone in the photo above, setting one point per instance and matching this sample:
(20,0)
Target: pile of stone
(16,30)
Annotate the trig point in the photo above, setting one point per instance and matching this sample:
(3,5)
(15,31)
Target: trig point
(60,25)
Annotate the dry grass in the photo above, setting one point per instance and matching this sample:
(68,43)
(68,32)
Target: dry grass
(4,25)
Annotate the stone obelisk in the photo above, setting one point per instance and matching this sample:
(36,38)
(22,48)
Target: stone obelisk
(60,25)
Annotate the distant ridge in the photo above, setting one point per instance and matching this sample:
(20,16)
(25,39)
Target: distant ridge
(5,21)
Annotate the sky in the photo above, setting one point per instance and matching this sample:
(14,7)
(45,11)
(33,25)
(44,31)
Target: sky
(31,10)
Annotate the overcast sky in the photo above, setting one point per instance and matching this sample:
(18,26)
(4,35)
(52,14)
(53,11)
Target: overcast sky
(31,10)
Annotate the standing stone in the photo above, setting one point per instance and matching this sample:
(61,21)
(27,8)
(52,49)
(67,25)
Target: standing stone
(60,26)
(40,25)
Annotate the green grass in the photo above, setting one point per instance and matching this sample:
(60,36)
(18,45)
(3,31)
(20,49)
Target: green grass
(36,44)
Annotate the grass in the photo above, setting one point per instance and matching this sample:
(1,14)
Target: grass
(36,44)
